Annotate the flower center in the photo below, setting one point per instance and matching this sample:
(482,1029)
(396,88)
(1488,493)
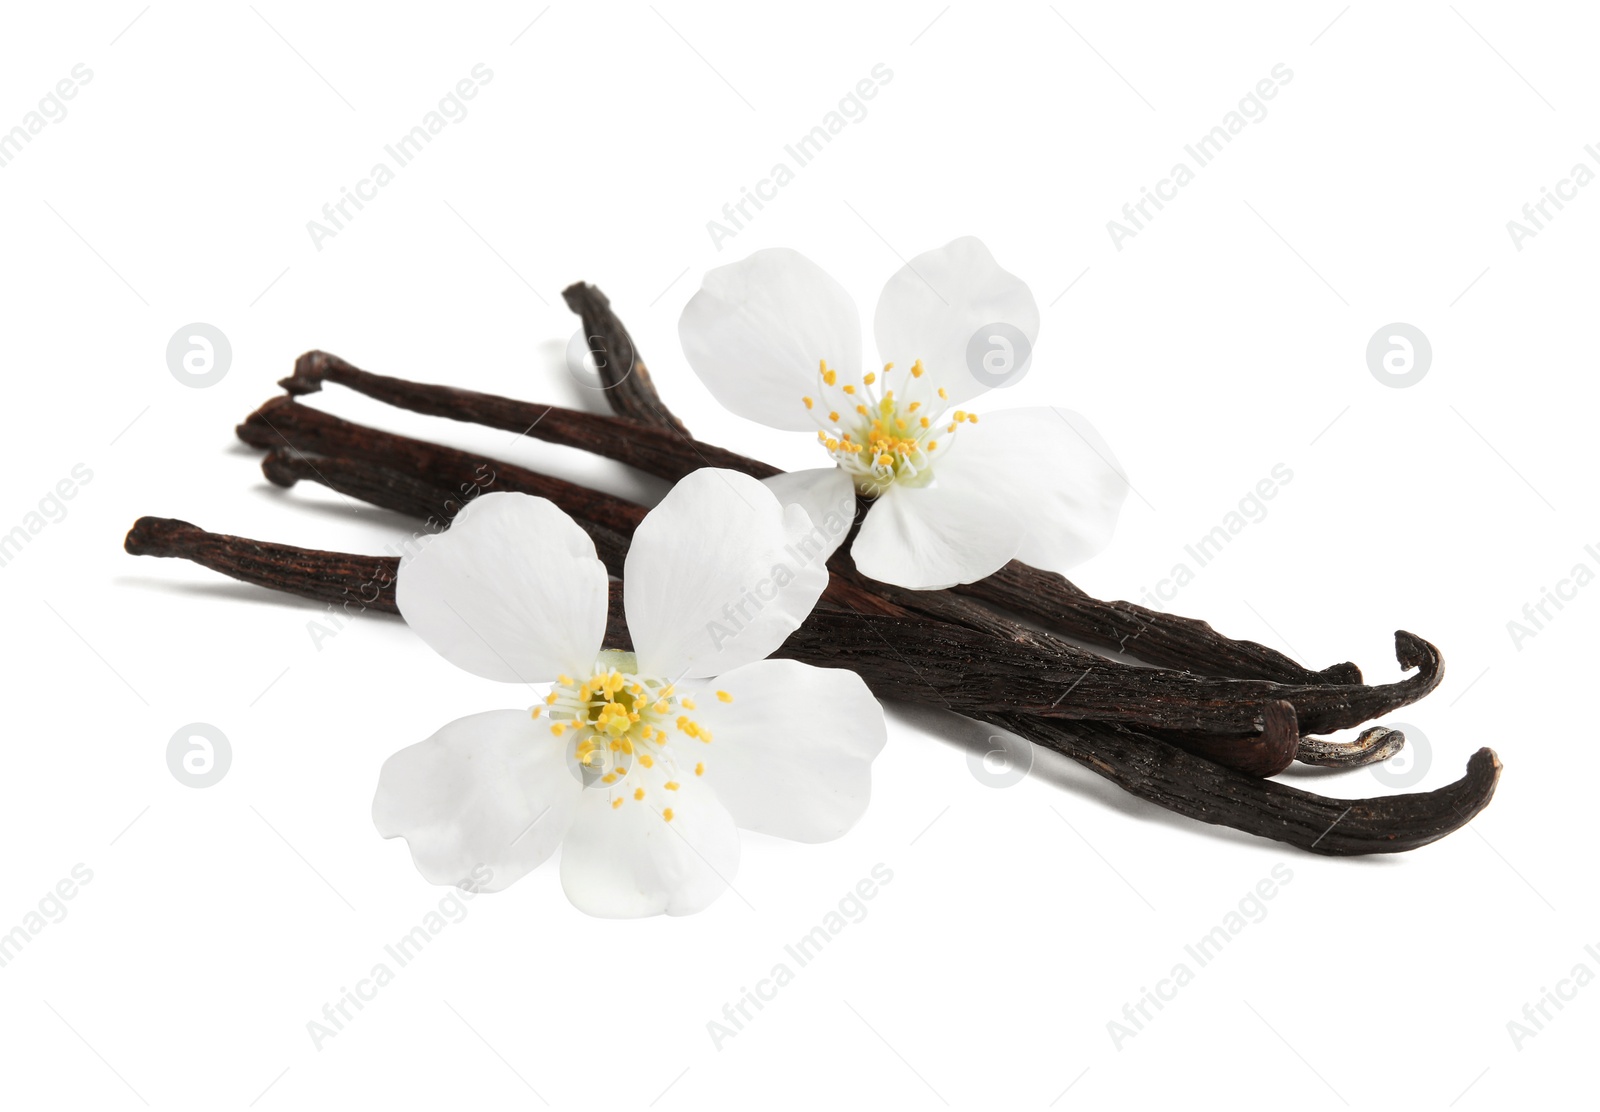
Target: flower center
(618,728)
(878,438)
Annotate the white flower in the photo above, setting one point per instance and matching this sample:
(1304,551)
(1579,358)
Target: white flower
(641,766)
(778,341)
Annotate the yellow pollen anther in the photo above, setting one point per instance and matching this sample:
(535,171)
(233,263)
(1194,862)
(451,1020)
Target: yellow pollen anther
(924,421)
(869,378)
(848,389)
(565,681)
(913,407)
(809,402)
(830,377)
(688,704)
(916,369)
(537,711)
(644,759)
(615,803)
(700,769)
(667,814)
(886,459)
(887,367)
(671,785)
(933,445)
(550,698)
(638,794)
(833,416)
(972,418)
(558,729)
(724,697)
(943,393)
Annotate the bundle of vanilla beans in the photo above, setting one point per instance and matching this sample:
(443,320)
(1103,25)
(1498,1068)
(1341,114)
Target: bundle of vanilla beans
(1197,728)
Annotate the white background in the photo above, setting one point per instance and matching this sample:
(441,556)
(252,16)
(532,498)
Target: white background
(1226,337)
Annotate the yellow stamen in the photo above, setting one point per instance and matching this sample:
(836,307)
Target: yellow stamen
(667,814)
(700,769)
(638,794)
(671,785)
(809,402)
(723,696)
(615,803)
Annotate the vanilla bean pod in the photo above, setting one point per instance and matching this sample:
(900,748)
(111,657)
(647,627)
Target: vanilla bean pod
(662,449)
(629,391)
(1142,765)
(1057,680)
(1200,789)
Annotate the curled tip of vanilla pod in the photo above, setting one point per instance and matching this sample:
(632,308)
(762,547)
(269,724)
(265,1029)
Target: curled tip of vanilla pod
(1374,746)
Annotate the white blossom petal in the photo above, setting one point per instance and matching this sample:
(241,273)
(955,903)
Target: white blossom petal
(828,497)
(791,755)
(626,860)
(937,303)
(757,329)
(480,803)
(1072,488)
(960,528)
(718,575)
(512,591)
